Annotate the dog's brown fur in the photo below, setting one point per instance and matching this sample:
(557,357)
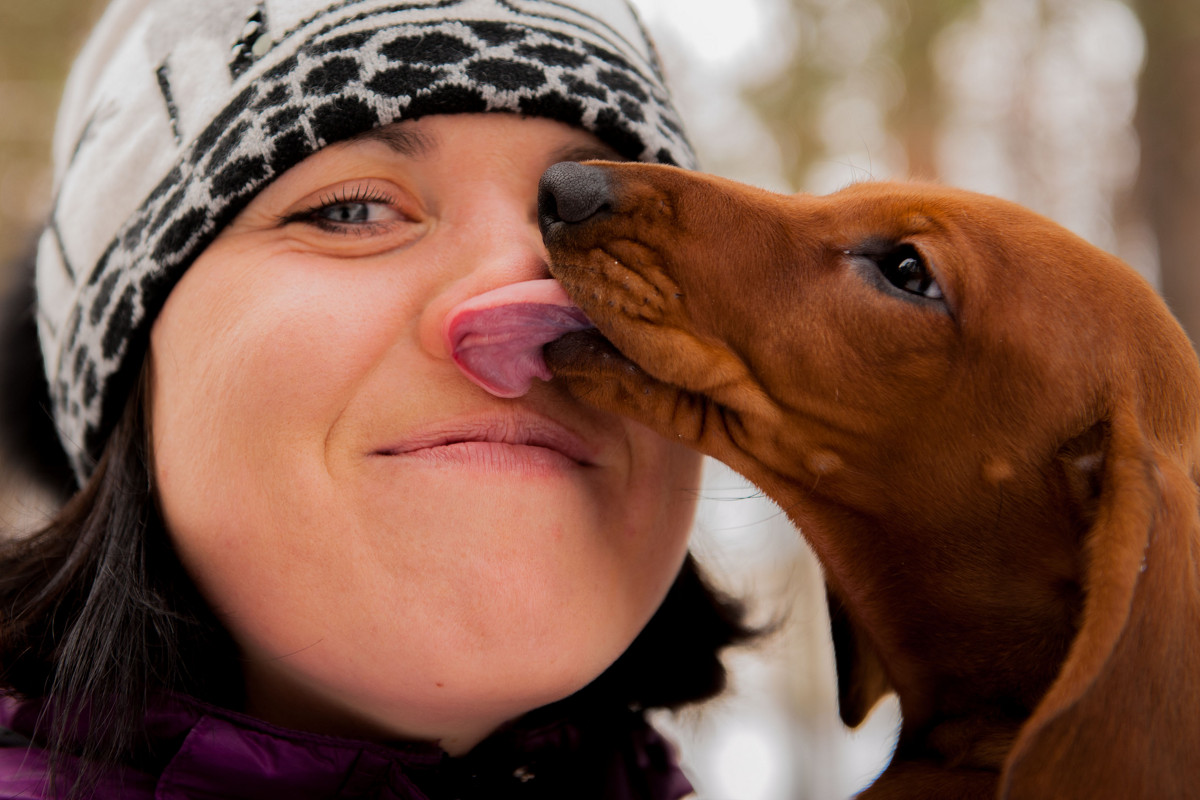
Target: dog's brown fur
(1000,486)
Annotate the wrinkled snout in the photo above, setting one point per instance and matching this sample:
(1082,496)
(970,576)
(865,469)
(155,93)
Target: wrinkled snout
(572,192)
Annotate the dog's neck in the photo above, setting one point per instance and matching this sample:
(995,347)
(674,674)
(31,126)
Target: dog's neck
(968,666)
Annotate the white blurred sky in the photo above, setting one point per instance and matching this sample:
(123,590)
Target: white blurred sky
(723,32)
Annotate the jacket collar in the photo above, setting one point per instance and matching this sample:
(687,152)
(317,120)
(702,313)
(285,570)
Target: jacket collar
(198,750)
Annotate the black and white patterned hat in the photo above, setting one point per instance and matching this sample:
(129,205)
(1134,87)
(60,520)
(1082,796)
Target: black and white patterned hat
(178,112)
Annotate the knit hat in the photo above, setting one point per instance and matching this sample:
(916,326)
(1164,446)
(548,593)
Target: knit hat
(178,112)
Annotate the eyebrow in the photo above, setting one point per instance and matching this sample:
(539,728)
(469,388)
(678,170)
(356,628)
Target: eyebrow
(404,141)
(416,144)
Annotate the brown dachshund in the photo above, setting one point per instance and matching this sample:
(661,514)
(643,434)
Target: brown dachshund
(986,428)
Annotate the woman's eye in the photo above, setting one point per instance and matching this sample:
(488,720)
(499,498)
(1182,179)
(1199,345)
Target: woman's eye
(356,212)
(350,211)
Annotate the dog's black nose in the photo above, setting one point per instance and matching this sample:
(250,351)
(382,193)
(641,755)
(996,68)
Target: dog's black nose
(572,192)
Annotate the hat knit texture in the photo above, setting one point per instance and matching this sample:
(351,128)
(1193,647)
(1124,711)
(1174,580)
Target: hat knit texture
(178,112)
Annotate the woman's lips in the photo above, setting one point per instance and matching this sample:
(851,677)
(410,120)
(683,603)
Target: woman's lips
(506,441)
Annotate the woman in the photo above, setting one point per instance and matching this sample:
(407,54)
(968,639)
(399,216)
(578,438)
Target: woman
(307,557)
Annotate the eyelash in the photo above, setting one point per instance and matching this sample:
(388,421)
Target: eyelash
(341,197)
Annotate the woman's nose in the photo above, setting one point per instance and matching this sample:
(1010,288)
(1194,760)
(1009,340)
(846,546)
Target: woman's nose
(495,251)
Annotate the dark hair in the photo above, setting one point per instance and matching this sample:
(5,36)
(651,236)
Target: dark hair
(96,605)
(96,611)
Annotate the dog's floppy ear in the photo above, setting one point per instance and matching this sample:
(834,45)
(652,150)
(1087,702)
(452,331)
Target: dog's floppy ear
(1113,723)
(860,676)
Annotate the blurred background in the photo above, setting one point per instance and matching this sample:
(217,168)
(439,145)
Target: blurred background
(1085,110)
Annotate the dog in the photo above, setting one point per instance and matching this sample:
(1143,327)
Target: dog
(985,427)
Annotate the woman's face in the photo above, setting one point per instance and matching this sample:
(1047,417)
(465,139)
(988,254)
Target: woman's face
(395,551)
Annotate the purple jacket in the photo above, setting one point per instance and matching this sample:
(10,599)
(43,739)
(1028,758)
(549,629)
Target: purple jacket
(198,751)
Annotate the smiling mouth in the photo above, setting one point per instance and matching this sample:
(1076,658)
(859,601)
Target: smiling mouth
(498,443)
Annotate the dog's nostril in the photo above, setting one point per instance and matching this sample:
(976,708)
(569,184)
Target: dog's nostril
(572,192)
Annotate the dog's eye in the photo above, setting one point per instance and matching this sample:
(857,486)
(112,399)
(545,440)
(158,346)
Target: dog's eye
(906,270)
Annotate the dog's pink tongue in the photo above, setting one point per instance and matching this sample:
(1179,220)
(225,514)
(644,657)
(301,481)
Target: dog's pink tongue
(497,337)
